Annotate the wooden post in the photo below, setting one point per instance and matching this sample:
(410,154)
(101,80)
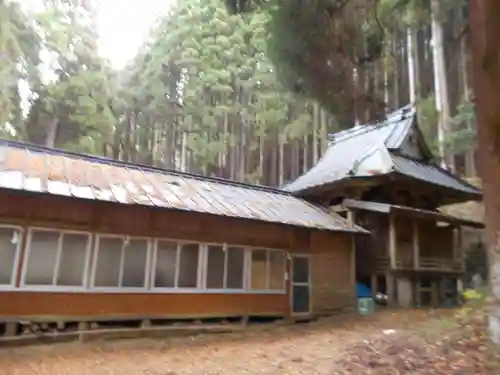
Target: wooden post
(458,252)
(10,329)
(351,217)
(353,279)
(416,245)
(392,241)
(353,273)
(374,283)
(418,292)
(21,255)
(391,292)
(435,284)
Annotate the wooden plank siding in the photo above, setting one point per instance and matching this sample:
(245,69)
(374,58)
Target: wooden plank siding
(139,305)
(331,254)
(332,272)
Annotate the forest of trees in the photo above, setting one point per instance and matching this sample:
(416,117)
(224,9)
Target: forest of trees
(203,96)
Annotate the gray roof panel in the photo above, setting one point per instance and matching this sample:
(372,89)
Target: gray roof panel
(431,173)
(367,150)
(349,146)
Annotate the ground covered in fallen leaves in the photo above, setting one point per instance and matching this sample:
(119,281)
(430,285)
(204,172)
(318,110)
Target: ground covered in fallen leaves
(403,342)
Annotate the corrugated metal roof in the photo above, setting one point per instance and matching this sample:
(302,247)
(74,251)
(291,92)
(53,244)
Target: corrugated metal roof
(369,150)
(392,131)
(36,169)
(431,173)
(356,146)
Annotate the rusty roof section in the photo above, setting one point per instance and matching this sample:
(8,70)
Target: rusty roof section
(38,169)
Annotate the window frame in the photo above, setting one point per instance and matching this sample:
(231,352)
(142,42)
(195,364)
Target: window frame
(92,256)
(203,266)
(17,256)
(224,289)
(55,271)
(119,289)
(200,267)
(268,270)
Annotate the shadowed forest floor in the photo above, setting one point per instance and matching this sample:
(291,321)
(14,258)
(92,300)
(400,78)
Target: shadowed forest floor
(447,342)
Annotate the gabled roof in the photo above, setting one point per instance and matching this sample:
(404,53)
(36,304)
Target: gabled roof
(374,149)
(36,169)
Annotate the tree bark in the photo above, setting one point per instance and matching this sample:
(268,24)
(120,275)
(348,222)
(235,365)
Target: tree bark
(485,30)
(411,64)
(441,84)
(470,163)
(50,139)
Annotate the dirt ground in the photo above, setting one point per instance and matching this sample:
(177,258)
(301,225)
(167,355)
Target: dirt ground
(307,348)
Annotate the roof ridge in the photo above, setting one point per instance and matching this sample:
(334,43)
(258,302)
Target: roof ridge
(119,163)
(363,129)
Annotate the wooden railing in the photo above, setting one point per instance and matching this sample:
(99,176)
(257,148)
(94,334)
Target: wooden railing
(383,263)
(425,263)
(433,263)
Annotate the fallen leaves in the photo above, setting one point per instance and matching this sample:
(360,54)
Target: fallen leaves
(464,350)
(387,343)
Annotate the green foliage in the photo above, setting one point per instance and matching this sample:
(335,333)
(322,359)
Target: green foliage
(68,89)
(210,91)
(215,64)
(19,56)
(462,136)
(473,295)
(428,117)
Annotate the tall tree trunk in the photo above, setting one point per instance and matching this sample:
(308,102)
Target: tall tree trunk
(281,159)
(323,131)
(470,164)
(417,63)
(396,73)
(411,64)
(183,162)
(50,140)
(315,132)
(485,30)
(305,153)
(441,84)
(260,167)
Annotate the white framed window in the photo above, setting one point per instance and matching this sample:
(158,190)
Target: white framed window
(176,265)
(56,259)
(10,243)
(121,263)
(267,270)
(225,268)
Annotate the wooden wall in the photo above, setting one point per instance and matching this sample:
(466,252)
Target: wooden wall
(79,306)
(404,240)
(435,241)
(333,273)
(370,248)
(332,279)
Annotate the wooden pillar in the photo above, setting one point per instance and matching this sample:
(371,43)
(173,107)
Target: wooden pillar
(435,292)
(416,244)
(20,256)
(418,293)
(374,283)
(391,291)
(10,329)
(458,251)
(392,241)
(353,279)
(351,216)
